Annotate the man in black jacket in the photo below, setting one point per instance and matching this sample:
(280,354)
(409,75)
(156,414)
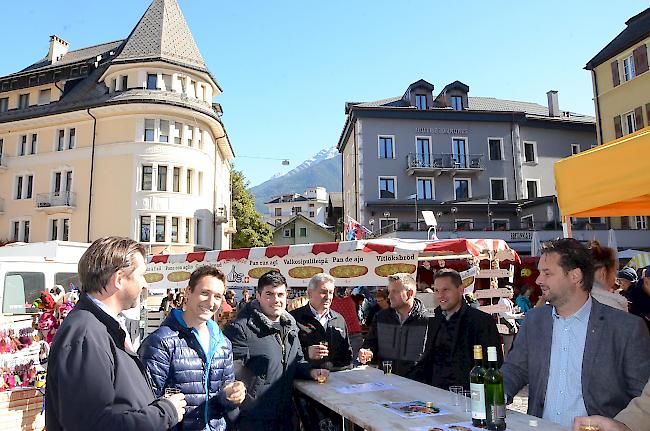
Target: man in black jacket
(453,332)
(94,379)
(267,357)
(323,333)
(325,343)
(400,333)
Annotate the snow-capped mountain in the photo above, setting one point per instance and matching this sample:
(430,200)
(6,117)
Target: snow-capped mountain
(325,154)
(323,169)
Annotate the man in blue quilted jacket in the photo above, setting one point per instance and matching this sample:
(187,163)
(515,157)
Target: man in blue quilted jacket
(190,353)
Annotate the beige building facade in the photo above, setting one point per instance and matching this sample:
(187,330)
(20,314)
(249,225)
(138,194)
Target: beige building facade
(621,83)
(121,138)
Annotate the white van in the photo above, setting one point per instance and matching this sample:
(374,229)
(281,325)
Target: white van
(28,269)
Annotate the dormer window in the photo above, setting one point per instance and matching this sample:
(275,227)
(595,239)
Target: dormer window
(421,101)
(457,103)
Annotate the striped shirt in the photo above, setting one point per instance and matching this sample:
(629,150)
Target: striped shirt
(564,399)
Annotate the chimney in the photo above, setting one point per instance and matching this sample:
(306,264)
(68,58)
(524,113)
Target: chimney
(553,105)
(58,48)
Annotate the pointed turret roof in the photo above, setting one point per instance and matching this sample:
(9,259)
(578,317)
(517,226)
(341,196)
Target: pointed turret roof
(162,34)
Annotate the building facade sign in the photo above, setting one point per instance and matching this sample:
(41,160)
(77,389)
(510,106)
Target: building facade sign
(442,130)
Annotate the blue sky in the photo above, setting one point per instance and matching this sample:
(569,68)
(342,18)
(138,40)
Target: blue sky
(288,67)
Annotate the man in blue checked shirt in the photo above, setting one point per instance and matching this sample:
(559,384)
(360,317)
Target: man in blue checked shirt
(578,356)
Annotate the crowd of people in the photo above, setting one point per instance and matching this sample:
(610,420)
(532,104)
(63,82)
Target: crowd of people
(583,357)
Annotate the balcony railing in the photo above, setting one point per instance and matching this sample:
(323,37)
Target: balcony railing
(3,163)
(2,205)
(445,161)
(55,200)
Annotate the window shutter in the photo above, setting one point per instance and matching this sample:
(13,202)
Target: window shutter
(618,130)
(638,118)
(616,80)
(641,59)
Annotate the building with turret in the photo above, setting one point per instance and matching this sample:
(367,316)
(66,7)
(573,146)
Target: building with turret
(120,138)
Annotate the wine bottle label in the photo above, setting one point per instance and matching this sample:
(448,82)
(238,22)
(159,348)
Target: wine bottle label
(498,411)
(478,401)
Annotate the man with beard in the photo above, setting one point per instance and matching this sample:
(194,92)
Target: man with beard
(94,378)
(578,356)
(268,357)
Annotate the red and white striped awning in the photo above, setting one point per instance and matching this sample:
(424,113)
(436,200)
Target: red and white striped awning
(446,248)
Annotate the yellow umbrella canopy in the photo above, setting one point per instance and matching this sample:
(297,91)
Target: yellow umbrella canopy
(612,179)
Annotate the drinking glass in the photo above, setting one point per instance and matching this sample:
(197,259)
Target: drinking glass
(466,400)
(387,367)
(455,390)
(321,377)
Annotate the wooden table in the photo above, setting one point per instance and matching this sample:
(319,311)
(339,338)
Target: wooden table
(365,409)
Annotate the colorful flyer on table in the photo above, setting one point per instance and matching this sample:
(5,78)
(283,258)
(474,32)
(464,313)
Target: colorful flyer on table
(460,426)
(414,409)
(364,387)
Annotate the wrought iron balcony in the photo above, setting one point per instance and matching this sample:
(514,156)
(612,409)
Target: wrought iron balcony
(438,163)
(56,202)
(3,163)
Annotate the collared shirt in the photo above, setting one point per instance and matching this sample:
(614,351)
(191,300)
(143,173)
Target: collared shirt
(322,319)
(119,318)
(564,400)
(399,316)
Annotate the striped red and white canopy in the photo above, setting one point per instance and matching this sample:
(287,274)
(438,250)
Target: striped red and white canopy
(446,248)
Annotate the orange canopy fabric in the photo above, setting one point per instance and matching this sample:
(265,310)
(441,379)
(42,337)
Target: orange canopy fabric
(612,179)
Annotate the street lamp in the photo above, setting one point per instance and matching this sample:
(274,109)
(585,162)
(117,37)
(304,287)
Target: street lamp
(415,196)
(489,213)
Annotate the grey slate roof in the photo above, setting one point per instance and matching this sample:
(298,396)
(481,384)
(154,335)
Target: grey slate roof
(390,102)
(87,92)
(75,56)
(169,36)
(638,28)
(162,33)
(491,104)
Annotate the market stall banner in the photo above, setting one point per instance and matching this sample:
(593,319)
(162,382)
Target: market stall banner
(352,263)
(359,268)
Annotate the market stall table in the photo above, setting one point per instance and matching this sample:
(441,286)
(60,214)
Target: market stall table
(366,410)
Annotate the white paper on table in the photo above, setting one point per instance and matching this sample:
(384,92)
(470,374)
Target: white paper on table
(364,387)
(456,426)
(412,409)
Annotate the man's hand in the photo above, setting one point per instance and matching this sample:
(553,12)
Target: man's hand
(178,400)
(322,372)
(317,351)
(604,424)
(365,355)
(235,392)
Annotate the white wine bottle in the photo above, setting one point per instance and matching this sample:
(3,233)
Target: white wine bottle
(494,395)
(477,387)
